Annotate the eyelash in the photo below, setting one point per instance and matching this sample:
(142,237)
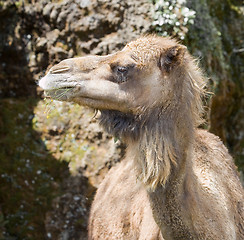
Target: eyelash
(121,72)
(122,69)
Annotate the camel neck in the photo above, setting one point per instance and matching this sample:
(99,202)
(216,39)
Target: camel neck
(167,203)
(158,159)
(165,196)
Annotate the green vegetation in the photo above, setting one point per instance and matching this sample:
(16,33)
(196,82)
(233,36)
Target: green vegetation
(171,18)
(17,3)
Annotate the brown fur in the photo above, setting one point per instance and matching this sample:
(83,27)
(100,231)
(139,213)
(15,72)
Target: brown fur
(176,182)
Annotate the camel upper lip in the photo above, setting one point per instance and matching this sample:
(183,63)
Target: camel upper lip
(58,88)
(50,82)
(51,90)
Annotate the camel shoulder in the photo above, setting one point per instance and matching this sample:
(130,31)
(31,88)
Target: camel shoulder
(212,160)
(210,147)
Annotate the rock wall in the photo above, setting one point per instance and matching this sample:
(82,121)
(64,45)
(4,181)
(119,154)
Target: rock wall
(42,33)
(217,38)
(67,150)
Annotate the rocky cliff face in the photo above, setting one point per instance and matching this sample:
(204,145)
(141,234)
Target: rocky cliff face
(42,33)
(217,38)
(51,166)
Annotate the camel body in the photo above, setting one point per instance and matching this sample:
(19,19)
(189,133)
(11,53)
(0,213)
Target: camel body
(176,182)
(122,210)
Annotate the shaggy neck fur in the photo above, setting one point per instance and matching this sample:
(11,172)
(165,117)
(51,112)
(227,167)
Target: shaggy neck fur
(155,156)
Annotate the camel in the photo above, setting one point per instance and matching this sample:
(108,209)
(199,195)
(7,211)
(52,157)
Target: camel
(176,181)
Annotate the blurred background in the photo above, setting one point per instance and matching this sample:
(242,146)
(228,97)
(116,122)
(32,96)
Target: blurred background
(53,155)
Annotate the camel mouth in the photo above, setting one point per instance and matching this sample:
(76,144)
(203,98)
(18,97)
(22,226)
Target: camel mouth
(61,94)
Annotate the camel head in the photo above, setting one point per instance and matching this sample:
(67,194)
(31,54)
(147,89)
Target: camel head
(129,81)
(151,72)
(152,86)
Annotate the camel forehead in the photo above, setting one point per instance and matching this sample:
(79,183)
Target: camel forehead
(147,48)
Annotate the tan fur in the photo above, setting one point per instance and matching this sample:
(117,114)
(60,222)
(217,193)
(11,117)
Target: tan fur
(176,182)
(121,200)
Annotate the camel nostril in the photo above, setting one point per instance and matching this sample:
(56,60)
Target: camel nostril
(59,69)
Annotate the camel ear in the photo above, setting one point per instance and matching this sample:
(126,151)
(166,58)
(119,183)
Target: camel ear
(172,57)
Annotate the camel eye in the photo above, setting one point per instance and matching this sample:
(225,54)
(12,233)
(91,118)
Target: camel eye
(121,74)
(122,69)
